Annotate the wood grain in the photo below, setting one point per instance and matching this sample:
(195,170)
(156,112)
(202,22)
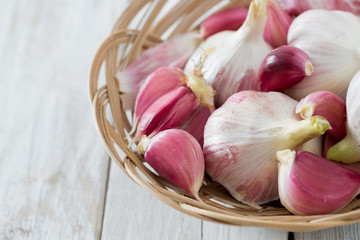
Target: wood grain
(53,168)
(346,232)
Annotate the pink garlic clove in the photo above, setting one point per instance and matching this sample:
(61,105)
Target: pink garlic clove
(196,124)
(284,67)
(311,185)
(176,156)
(330,106)
(229,19)
(348,149)
(156,85)
(277,24)
(173,52)
(169,111)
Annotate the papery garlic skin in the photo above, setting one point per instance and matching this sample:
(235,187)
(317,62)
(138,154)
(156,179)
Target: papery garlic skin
(284,67)
(296,7)
(233,64)
(173,52)
(228,19)
(242,137)
(333,50)
(312,185)
(348,149)
(277,24)
(178,157)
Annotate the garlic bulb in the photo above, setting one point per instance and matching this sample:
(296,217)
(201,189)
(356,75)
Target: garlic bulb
(310,184)
(295,7)
(228,19)
(173,52)
(233,63)
(348,149)
(241,139)
(176,156)
(333,50)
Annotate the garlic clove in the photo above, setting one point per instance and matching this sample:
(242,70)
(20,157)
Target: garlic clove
(176,156)
(277,24)
(156,85)
(284,67)
(173,52)
(169,111)
(333,50)
(228,19)
(240,152)
(329,106)
(196,124)
(348,149)
(311,185)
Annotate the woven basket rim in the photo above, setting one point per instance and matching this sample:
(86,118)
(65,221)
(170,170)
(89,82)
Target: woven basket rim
(113,133)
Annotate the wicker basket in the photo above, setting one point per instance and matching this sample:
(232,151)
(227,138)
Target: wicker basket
(120,49)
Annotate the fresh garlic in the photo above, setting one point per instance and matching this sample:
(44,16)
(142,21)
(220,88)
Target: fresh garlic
(173,52)
(171,110)
(176,156)
(334,50)
(174,105)
(229,19)
(277,24)
(329,106)
(283,67)
(196,124)
(311,185)
(232,64)
(156,84)
(241,139)
(348,149)
(296,7)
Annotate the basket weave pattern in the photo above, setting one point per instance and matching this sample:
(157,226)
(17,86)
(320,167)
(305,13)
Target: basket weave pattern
(121,48)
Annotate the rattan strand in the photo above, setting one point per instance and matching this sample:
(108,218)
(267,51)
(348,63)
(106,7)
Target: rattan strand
(217,206)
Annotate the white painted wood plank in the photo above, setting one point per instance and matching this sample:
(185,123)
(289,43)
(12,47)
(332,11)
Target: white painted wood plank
(212,231)
(133,213)
(53,168)
(350,232)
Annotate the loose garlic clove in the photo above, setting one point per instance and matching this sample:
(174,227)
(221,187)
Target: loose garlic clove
(348,149)
(284,67)
(311,185)
(241,139)
(176,156)
(169,111)
(277,24)
(229,19)
(329,106)
(173,52)
(156,85)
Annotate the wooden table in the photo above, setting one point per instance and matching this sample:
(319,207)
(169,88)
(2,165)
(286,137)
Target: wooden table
(56,180)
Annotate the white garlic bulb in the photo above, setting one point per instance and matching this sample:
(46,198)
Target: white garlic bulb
(331,39)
